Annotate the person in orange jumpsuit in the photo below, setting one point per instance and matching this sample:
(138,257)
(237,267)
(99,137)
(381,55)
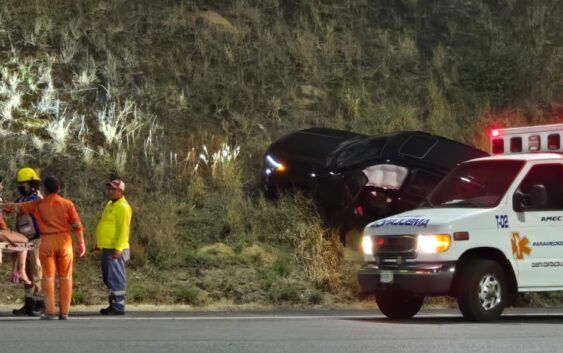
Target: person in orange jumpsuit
(57,218)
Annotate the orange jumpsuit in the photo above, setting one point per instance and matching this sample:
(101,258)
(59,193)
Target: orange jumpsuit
(57,217)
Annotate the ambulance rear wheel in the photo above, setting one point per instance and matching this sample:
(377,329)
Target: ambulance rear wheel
(482,292)
(399,305)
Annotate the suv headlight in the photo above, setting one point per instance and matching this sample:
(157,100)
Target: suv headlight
(274,164)
(433,243)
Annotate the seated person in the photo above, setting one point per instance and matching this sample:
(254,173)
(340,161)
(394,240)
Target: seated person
(18,269)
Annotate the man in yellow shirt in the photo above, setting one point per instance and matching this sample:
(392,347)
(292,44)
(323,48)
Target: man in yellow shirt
(112,237)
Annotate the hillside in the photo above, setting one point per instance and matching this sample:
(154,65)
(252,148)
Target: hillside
(182,97)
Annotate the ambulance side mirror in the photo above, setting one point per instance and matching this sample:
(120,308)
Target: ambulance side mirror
(535,200)
(539,197)
(520,201)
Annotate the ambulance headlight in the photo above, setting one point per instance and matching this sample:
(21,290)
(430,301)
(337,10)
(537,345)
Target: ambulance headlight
(433,243)
(367,245)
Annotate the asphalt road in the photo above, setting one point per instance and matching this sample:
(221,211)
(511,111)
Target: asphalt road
(304,331)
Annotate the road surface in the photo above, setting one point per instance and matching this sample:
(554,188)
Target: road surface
(519,330)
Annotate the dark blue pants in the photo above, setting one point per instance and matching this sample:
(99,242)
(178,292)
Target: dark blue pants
(113,273)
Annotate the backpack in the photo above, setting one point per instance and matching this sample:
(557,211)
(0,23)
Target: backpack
(25,225)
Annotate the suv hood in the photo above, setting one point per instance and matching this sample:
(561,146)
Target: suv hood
(308,150)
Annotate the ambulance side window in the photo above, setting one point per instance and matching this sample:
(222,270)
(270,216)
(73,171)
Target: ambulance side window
(551,177)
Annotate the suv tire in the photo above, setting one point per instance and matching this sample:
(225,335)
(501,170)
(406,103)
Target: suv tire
(399,305)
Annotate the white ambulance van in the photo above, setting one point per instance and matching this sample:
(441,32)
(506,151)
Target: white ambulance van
(493,227)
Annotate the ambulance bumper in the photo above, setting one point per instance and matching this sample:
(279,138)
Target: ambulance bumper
(424,279)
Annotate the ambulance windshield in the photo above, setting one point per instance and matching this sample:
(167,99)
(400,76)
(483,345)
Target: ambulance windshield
(479,184)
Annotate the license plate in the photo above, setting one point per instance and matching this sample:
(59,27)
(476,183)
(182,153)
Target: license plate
(386,277)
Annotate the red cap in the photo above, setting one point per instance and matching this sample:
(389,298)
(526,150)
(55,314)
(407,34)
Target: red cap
(116,184)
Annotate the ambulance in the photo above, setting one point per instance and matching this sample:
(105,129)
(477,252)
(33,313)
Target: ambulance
(492,228)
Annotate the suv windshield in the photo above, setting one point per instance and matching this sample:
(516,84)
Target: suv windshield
(480,184)
(359,151)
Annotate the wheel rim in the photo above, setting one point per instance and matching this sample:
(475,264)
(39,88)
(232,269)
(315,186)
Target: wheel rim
(489,292)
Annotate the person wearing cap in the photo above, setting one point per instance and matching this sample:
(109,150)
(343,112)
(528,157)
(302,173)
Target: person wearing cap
(28,187)
(57,219)
(112,237)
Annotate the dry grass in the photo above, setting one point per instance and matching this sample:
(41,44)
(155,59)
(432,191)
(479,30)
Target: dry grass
(182,99)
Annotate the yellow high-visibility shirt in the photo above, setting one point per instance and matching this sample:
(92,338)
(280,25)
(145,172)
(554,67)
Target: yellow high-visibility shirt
(113,229)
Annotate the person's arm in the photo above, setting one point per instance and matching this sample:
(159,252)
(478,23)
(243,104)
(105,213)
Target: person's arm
(77,229)
(3,225)
(25,207)
(122,232)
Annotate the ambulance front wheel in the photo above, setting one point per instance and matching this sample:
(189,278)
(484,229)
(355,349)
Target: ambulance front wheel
(399,305)
(482,292)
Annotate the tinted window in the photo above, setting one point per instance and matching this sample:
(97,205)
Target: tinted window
(480,184)
(551,177)
(418,146)
(360,151)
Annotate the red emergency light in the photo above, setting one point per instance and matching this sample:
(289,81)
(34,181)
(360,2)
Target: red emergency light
(495,132)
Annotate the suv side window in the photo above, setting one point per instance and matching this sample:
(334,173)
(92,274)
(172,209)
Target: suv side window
(551,177)
(360,151)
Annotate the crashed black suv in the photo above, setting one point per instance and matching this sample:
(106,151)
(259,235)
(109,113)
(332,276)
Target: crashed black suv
(356,178)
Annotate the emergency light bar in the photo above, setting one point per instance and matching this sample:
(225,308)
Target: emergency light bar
(527,139)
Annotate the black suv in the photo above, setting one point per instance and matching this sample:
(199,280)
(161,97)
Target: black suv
(356,178)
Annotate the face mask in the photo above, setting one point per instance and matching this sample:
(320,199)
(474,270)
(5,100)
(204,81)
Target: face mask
(23,190)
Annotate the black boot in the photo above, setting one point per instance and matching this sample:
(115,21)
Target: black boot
(111,299)
(38,308)
(26,309)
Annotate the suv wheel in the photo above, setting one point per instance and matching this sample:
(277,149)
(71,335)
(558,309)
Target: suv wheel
(399,305)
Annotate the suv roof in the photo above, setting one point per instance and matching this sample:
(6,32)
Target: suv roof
(410,147)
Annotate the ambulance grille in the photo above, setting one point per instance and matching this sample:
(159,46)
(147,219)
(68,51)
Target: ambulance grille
(391,246)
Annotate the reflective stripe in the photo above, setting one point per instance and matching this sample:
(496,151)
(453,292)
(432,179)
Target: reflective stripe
(65,278)
(76,225)
(45,278)
(117,292)
(120,302)
(55,233)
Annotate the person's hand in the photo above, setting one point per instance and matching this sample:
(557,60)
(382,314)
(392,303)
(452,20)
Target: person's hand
(94,249)
(9,207)
(116,254)
(80,249)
